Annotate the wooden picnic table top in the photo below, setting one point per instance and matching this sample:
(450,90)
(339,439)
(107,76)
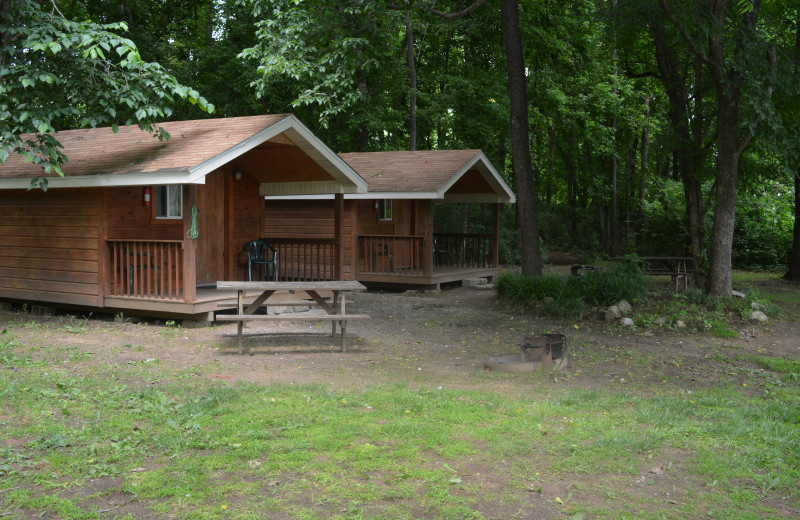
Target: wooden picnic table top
(340,285)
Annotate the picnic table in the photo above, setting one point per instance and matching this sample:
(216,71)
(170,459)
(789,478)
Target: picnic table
(335,308)
(678,267)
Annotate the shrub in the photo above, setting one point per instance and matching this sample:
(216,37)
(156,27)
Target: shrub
(572,296)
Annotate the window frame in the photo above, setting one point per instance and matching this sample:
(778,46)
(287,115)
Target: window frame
(383,214)
(166,189)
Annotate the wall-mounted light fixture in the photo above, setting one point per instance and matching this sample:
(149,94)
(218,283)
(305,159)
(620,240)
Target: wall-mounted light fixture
(237,174)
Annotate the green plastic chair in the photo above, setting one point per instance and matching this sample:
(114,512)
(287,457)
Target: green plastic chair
(259,253)
(140,261)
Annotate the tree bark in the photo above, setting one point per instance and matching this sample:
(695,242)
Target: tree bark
(643,173)
(412,76)
(794,263)
(614,217)
(520,151)
(686,153)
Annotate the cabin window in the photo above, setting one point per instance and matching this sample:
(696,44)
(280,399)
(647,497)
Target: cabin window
(385,209)
(169,202)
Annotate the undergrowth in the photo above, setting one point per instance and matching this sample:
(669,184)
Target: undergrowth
(575,295)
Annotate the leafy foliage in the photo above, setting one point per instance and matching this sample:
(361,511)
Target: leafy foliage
(56,73)
(573,295)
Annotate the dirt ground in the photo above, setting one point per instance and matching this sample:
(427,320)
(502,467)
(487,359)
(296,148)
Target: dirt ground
(426,340)
(421,338)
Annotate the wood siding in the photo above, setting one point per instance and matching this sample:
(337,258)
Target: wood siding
(49,246)
(210,243)
(127,218)
(312,219)
(246,218)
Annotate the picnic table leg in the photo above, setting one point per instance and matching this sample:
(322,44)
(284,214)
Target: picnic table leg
(333,323)
(240,324)
(343,326)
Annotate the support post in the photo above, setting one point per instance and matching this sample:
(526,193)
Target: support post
(189,249)
(338,235)
(496,233)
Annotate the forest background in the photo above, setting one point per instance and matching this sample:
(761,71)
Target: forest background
(654,127)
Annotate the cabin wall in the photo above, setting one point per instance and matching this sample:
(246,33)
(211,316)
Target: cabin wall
(312,219)
(127,218)
(245,223)
(210,244)
(402,223)
(50,246)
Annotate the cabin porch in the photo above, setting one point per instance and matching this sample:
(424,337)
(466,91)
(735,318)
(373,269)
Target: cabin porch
(154,276)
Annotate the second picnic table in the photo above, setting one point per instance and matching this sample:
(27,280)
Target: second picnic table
(335,309)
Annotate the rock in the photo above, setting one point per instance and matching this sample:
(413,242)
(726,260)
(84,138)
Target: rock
(757,306)
(660,321)
(624,307)
(613,313)
(680,324)
(626,322)
(758,317)
(548,300)
(483,287)
(737,294)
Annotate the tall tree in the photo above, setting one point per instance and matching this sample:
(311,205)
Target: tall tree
(729,39)
(520,151)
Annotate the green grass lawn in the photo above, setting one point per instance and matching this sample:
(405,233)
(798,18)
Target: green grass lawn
(84,440)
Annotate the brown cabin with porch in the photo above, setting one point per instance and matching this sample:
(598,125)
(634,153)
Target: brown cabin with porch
(388,237)
(143,226)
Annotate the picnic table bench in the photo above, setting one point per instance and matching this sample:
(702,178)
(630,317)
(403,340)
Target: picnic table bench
(335,309)
(677,267)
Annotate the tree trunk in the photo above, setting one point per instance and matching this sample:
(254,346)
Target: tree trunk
(412,76)
(520,151)
(551,133)
(794,263)
(643,174)
(686,152)
(720,269)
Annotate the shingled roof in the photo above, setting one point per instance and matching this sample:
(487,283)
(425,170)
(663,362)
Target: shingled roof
(99,157)
(453,175)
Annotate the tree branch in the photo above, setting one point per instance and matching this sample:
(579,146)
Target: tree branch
(684,33)
(772,59)
(459,14)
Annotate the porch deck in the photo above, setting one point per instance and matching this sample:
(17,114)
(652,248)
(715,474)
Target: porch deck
(440,276)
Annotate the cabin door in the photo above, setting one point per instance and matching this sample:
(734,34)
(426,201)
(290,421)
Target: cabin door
(211,227)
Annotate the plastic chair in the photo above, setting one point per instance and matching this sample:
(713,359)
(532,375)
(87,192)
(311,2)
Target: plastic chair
(258,252)
(439,251)
(140,261)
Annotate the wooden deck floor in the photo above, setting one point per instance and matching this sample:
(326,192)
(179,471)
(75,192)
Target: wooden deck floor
(209,299)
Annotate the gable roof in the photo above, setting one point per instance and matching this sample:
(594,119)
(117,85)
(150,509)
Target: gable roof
(450,175)
(133,157)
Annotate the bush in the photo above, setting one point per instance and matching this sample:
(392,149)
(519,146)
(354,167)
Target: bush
(572,296)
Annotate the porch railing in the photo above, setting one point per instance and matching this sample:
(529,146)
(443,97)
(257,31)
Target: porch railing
(391,255)
(151,269)
(463,250)
(306,259)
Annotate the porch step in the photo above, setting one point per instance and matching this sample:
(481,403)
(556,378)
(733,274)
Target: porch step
(474,282)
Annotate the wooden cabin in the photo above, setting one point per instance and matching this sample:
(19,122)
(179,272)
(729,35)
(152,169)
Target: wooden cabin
(388,237)
(143,226)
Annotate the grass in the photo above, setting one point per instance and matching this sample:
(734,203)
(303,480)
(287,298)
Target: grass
(84,439)
(185,448)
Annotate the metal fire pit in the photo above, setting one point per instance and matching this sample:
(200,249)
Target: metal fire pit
(545,352)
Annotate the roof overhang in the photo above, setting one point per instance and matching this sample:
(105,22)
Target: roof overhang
(344,178)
